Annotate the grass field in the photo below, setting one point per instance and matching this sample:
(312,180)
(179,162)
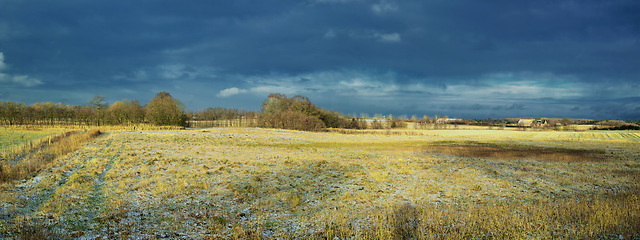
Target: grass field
(261,183)
(14,140)
(19,139)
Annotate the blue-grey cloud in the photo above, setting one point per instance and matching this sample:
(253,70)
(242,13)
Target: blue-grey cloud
(19,80)
(459,58)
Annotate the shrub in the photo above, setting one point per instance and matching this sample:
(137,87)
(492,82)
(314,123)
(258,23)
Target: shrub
(397,123)
(297,113)
(291,120)
(164,110)
(376,124)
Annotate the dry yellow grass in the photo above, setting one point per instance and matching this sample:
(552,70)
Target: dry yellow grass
(31,162)
(260,183)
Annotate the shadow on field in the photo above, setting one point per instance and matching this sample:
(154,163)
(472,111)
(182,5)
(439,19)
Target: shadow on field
(519,152)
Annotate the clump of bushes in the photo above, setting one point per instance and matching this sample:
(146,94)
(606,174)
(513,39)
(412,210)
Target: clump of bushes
(397,123)
(377,124)
(297,113)
(164,110)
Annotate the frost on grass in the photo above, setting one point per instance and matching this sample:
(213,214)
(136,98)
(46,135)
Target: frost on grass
(253,183)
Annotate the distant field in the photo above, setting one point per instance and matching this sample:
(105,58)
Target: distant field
(13,139)
(263,183)
(485,134)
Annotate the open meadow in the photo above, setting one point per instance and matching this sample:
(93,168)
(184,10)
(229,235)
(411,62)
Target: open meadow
(20,139)
(252,183)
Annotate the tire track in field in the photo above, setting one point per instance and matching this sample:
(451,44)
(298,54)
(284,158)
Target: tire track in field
(79,202)
(82,207)
(63,181)
(33,204)
(97,196)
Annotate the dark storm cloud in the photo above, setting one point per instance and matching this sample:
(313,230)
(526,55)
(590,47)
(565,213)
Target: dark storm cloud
(412,57)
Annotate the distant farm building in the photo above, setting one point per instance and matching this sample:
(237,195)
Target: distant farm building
(531,122)
(449,120)
(525,122)
(540,123)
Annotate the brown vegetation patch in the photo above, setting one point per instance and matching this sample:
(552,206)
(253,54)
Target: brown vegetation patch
(519,152)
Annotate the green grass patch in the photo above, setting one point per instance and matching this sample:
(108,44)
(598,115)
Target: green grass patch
(13,140)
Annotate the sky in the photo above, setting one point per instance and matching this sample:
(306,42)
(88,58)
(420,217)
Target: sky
(467,59)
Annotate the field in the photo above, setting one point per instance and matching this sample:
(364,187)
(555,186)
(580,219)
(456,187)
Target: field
(17,140)
(244,183)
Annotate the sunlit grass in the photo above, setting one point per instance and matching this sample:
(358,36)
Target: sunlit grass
(16,140)
(262,183)
(33,162)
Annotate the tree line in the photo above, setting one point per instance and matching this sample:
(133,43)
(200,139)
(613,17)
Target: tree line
(277,111)
(218,113)
(616,125)
(162,110)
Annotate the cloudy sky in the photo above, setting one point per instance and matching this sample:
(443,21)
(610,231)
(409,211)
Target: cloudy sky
(469,59)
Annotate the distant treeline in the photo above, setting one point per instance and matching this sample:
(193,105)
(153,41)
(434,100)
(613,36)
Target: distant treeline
(277,111)
(513,121)
(221,117)
(162,110)
(213,114)
(616,125)
(637,122)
